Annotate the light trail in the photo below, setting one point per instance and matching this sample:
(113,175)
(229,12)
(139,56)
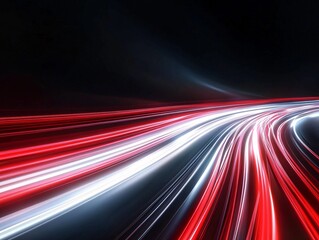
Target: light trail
(232,169)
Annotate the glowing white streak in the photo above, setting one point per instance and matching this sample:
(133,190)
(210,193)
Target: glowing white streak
(17,222)
(190,131)
(39,176)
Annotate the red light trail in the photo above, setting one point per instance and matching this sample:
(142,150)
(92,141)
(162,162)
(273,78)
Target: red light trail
(236,168)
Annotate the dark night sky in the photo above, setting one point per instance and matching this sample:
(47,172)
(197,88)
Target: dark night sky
(91,55)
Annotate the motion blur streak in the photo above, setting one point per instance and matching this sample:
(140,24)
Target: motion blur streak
(237,168)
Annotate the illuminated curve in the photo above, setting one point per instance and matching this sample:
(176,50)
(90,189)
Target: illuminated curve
(211,171)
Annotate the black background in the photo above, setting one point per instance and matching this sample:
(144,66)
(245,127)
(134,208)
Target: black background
(60,56)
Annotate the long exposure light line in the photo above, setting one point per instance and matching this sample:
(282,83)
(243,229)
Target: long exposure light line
(248,154)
